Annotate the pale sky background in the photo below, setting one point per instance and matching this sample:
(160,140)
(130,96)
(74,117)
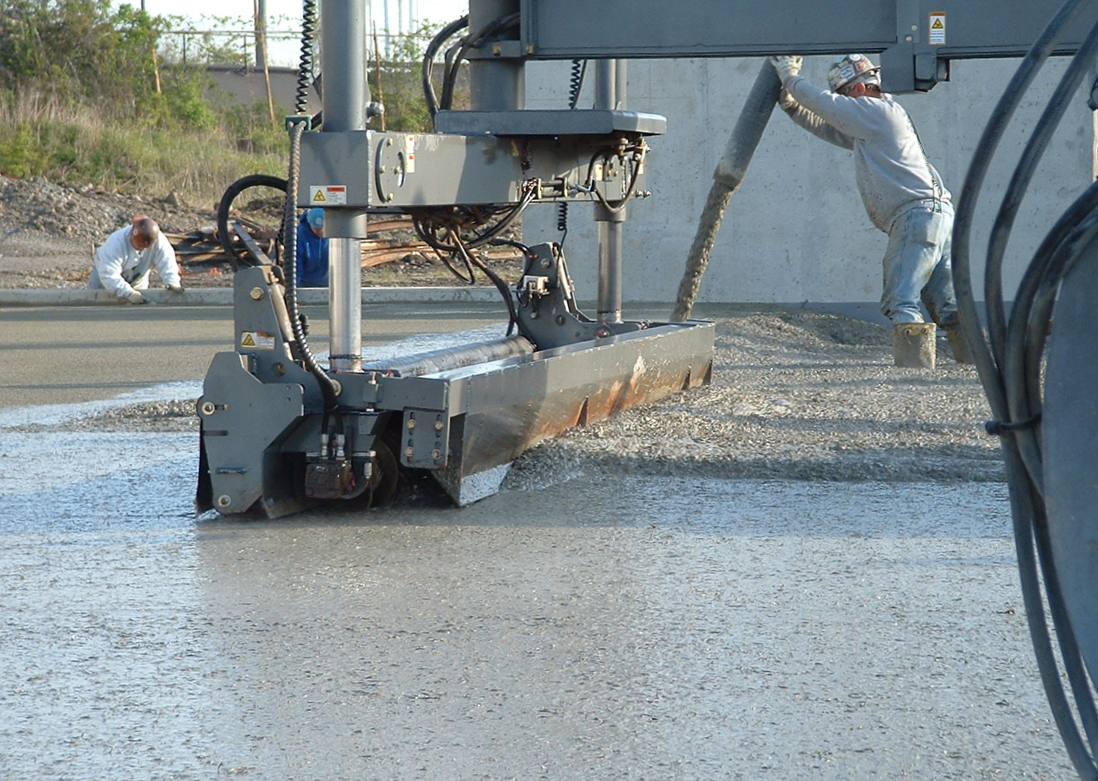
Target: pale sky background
(202,14)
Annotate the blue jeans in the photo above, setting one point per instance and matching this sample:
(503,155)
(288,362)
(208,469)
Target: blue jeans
(918,266)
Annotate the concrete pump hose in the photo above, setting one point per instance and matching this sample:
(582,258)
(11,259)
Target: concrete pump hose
(730,172)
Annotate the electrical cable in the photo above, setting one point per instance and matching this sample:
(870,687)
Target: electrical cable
(1009,364)
(289,229)
(575,82)
(305,63)
(575,87)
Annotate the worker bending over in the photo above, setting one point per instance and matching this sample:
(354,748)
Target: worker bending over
(124,262)
(312,250)
(902,193)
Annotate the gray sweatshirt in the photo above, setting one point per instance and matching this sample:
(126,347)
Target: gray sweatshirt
(890,167)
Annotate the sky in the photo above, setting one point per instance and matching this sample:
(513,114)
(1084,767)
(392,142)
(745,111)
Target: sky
(203,12)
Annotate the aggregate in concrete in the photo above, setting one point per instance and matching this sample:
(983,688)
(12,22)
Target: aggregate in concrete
(642,628)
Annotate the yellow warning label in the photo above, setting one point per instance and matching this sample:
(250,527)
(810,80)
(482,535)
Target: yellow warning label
(257,340)
(328,194)
(937,28)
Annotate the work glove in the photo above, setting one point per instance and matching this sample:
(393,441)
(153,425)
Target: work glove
(176,288)
(787,102)
(787,67)
(136,298)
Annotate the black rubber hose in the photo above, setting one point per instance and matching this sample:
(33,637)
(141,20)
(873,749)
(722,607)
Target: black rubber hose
(472,40)
(305,63)
(1023,174)
(224,207)
(1030,314)
(1026,502)
(289,229)
(966,206)
(429,53)
(1014,373)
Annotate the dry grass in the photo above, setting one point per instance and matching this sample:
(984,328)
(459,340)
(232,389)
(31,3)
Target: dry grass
(73,144)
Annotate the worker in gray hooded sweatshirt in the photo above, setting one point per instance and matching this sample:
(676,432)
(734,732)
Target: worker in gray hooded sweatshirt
(902,192)
(124,262)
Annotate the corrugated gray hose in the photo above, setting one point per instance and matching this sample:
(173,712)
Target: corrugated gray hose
(730,172)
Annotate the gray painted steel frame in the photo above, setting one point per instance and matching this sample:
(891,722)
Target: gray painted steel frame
(899,29)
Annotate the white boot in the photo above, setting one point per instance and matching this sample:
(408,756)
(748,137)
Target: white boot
(913,345)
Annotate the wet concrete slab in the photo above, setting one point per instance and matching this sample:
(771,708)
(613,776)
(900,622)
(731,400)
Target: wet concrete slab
(649,628)
(603,627)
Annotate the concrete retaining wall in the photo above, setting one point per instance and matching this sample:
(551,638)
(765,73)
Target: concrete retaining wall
(796,229)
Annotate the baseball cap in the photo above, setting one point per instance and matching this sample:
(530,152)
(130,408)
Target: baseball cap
(315,218)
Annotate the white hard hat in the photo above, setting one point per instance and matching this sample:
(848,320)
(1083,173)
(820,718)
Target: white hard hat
(852,68)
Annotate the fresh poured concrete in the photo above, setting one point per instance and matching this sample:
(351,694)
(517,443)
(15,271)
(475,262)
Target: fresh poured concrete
(585,623)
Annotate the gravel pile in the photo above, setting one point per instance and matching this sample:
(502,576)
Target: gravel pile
(799,395)
(40,217)
(796,395)
(49,230)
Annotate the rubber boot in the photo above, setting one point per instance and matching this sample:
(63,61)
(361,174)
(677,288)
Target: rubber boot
(958,344)
(913,345)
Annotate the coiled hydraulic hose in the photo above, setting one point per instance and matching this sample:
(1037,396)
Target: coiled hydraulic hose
(575,87)
(1009,362)
(305,63)
(289,230)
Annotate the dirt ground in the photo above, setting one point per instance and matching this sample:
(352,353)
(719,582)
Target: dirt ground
(50,232)
(797,394)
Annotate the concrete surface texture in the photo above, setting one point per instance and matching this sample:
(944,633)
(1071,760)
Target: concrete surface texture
(805,569)
(796,229)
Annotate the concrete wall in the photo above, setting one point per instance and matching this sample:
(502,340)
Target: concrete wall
(796,230)
(237,84)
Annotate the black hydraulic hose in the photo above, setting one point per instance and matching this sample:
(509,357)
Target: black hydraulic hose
(472,40)
(1023,174)
(305,64)
(1030,315)
(1012,387)
(966,207)
(428,60)
(289,228)
(1000,235)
